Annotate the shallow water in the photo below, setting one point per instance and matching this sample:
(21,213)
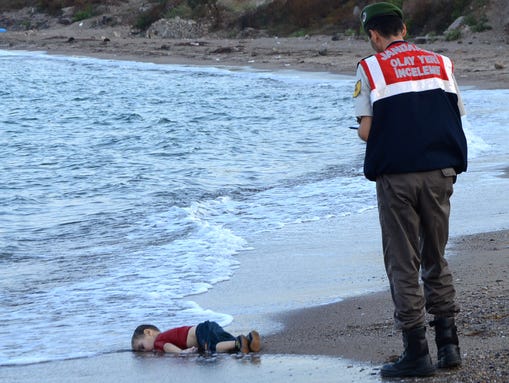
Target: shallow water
(126,367)
(128,187)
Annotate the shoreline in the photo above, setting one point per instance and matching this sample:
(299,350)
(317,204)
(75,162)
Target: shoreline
(480,60)
(341,342)
(361,328)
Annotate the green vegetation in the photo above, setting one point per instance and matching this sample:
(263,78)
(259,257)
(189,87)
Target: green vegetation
(285,17)
(83,8)
(205,8)
(192,9)
(477,24)
(10,5)
(153,13)
(279,17)
(350,32)
(83,14)
(183,11)
(299,33)
(453,35)
(427,16)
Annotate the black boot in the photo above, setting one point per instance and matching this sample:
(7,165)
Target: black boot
(415,360)
(447,342)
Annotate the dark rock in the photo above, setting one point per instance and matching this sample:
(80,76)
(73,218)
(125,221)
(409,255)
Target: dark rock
(223,50)
(323,52)
(251,33)
(64,21)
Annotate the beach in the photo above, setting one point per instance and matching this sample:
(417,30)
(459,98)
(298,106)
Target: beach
(327,341)
(480,59)
(361,328)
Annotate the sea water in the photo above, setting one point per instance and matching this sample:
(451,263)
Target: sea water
(127,187)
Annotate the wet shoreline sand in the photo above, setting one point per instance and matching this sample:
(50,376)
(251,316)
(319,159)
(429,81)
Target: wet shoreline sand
(480,60)
(342,342)
(361,328)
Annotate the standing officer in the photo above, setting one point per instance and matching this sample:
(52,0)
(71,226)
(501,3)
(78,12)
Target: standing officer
(409,108)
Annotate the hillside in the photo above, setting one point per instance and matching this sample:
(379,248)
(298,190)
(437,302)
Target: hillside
(258,33)
(229,18)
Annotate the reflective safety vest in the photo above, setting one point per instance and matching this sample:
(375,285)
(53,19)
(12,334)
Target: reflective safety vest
(416,119)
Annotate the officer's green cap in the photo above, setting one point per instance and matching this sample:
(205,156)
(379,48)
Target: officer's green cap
(379,9)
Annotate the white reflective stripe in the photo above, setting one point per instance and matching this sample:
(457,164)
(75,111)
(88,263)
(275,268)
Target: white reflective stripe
(413,86)
(449,68)
(378,77)
(376,71)
(382,90)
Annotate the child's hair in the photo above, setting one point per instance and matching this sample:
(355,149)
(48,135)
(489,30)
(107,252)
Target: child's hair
(139,332)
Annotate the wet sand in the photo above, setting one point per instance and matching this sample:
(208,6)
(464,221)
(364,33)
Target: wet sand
(361,328)
(481,59)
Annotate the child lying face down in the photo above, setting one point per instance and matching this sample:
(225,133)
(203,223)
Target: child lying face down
(205,337)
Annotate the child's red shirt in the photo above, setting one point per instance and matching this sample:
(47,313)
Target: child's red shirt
(176,336)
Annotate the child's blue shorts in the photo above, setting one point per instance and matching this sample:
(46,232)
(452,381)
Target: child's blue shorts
(209,334)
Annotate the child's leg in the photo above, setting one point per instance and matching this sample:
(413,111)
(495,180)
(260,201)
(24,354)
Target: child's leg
(241,343)
(213,338)
(227,346)
(210,335)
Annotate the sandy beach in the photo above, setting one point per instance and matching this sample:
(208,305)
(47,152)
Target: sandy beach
(361,328)
(480,59)
(344,341)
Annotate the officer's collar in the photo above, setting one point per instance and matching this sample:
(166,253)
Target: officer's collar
(394,42)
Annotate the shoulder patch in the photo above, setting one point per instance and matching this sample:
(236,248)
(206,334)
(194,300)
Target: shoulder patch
(357,90)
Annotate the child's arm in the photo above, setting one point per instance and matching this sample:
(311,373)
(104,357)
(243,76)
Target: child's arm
(171,348)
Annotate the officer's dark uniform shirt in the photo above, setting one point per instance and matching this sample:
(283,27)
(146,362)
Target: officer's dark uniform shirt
(416,108)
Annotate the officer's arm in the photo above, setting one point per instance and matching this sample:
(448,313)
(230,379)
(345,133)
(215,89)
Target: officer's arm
(365,127)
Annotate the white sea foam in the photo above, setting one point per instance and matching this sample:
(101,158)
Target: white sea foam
(476,145)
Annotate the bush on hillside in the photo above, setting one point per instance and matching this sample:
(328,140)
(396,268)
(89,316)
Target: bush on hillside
(10,5)
(290,16)
(54,7)
(194,9)
(426,16)
(283,16)
(154,12)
